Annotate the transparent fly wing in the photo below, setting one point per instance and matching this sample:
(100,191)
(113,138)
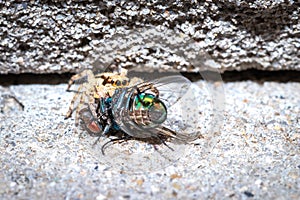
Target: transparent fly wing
(184,116)
(181,97)
(171,88)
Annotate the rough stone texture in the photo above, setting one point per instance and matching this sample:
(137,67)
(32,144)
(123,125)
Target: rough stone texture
(257,153)
(65,36)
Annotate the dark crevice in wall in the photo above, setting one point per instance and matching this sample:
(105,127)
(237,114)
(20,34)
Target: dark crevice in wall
(255,75)
(229,76)
(29,78)
(282,76)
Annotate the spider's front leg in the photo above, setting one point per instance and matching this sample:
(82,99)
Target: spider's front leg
(147,86)
(74,99)
(90,76)
(86,73)
(134,81)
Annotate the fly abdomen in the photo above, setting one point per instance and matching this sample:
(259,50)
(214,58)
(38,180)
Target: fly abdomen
(140,117)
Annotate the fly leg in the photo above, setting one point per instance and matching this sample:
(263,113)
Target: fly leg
(126,137)
(105,132)
(164,143)
(105,117)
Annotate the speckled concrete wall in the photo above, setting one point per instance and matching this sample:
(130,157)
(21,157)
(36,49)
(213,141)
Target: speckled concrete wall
(66,36)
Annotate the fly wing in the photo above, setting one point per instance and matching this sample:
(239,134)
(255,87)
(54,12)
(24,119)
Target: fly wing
(171,88)
(179,138)
(182,100)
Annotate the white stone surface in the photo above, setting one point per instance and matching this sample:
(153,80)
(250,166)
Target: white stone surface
(257,152)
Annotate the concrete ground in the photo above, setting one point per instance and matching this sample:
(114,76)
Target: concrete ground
(256,155)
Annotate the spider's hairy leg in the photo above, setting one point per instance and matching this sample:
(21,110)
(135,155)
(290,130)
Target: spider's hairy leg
(154,90)
(80,104)
(147,86)
(123,72)
(92,105)
(134,81)
(86,99)
(86,73)
(75,97)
